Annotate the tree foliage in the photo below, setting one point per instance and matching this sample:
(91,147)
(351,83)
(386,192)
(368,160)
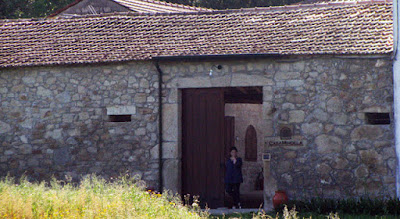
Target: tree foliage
(11,9)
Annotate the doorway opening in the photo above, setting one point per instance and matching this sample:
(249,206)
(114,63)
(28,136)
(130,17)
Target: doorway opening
(212,122)
(244,107)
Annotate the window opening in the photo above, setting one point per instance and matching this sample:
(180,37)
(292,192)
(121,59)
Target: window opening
(251,144)
(119,118)
(377,118)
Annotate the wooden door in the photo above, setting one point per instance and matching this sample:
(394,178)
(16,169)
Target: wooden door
(203,145)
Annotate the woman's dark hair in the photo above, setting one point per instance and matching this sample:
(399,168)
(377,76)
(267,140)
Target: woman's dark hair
(233,148)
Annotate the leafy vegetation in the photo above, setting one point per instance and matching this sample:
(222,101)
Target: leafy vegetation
(286,214)
(361,206)
(92,198)
(12,9)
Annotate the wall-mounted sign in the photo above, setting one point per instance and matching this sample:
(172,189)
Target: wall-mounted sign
(266,157)
(276,143)
(285,138)
(285,133)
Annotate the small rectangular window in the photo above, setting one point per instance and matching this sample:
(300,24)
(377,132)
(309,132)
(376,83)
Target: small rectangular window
(377,118)
(119,118)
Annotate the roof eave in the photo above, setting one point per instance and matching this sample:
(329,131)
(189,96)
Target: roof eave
(265,55)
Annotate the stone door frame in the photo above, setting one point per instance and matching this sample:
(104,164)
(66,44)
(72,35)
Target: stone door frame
(172,118)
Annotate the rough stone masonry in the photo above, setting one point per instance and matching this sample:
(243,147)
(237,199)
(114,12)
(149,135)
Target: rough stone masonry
(55,120)
(324,99)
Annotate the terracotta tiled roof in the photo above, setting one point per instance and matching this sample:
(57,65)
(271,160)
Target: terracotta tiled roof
(292,30)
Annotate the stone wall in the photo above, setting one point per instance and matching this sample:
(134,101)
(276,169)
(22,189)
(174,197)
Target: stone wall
(245,115)
(53,121)
(324,100)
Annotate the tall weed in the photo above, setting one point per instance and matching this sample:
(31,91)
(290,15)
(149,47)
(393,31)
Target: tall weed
(94,197)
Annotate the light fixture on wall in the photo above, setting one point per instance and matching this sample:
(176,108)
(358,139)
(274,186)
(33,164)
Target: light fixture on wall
(272,111)
(218,67)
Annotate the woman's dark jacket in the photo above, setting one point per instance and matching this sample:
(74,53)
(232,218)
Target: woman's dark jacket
(233,171)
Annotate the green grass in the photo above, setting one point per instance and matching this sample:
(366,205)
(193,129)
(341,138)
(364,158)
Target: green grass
(92,198)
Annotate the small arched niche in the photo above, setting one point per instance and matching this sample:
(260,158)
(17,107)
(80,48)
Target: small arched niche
(251,144)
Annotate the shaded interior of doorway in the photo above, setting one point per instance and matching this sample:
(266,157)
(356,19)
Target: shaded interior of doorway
(206,142)
(243,124)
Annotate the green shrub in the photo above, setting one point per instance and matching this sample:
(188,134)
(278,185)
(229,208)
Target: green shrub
(360,206)
(393,206)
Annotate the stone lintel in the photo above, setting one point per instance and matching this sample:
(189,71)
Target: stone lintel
(377,109)
(250,80)
(234,80)
(194,82)
(121,110)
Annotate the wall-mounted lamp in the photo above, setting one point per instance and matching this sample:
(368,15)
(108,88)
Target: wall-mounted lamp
(218,67)
(272,111)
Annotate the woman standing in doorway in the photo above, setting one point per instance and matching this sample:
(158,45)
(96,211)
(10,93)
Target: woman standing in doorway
(233,176)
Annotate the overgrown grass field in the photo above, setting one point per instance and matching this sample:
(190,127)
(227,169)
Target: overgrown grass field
(92,198)
(124,197)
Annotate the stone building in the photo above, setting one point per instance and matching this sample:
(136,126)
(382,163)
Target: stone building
(150,94)
(85,7)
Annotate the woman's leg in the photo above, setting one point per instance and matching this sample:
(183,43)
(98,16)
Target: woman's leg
(229,188)
(236,194)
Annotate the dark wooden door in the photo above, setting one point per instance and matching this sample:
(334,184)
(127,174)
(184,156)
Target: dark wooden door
(203,145)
